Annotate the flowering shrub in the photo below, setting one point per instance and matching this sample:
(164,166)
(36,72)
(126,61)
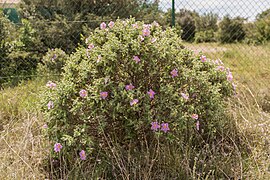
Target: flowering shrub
(52,62)
(133,82)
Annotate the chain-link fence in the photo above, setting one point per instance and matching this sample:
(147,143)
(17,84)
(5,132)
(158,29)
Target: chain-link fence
(236,32)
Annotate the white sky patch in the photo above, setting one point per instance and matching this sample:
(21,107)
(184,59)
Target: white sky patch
(244,8)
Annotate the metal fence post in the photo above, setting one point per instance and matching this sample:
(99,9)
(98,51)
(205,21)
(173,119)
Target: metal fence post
(173,13)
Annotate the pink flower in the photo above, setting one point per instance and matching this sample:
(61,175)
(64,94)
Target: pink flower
(91,46)
(185,96)
(45,126)
(151,93)
(221,68)
(129,87)
(57,147)
(134,102)
(54,57)
(103,25)
(135,26)
(104,95)
(198,125)
(82,155)
(195,116)
(146,32)
(141,38)
(50,105)
(111,24)
(83,93)
(165,127)
(51,85)
(136,59)
(229,76)
(203,58)
(174,73)
(155,126)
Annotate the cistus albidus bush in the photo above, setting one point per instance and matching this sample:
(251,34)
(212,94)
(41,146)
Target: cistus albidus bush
(131,86)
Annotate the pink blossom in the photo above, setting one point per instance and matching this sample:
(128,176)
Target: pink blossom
(51,85)
(174,73)
(185,96)
(203,58)
(135,26)
(151,93)
(103,25)
(45,126)
(104,95)
(57,147)
(50,105)
(83,93)
(229,76)
(134,102)
(91,46)
(165,127)
(111,24)
(54,57)
(155,126)
(129,87)
(221,68)
(82,155)
(146,32)
(198,125)
(136,59)
(195,116)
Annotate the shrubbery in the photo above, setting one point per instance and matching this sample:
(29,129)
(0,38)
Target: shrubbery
(205,36)
(18,53)
(133,87)
(52,62)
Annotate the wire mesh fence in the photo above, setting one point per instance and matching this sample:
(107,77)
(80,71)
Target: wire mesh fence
(236,32)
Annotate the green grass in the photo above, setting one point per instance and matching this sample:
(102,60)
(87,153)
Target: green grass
(249,64)
(24,147)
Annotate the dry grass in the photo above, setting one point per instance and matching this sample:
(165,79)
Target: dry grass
(24,148)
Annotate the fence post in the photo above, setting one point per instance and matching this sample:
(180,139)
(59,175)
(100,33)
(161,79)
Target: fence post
(173,13)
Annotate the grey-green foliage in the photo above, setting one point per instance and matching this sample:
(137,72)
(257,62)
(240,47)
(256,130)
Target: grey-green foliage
(108,62)
(52,62)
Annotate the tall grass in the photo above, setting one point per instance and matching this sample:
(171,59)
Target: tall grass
(241,153)
(23,146)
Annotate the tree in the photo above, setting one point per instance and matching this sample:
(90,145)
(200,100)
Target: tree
(60,23)
(186,20)
(231,30)
(207,22)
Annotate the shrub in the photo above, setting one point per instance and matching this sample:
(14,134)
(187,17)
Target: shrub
(52,62)
(205,36)
(18,52)
(231,30)
(133,88)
